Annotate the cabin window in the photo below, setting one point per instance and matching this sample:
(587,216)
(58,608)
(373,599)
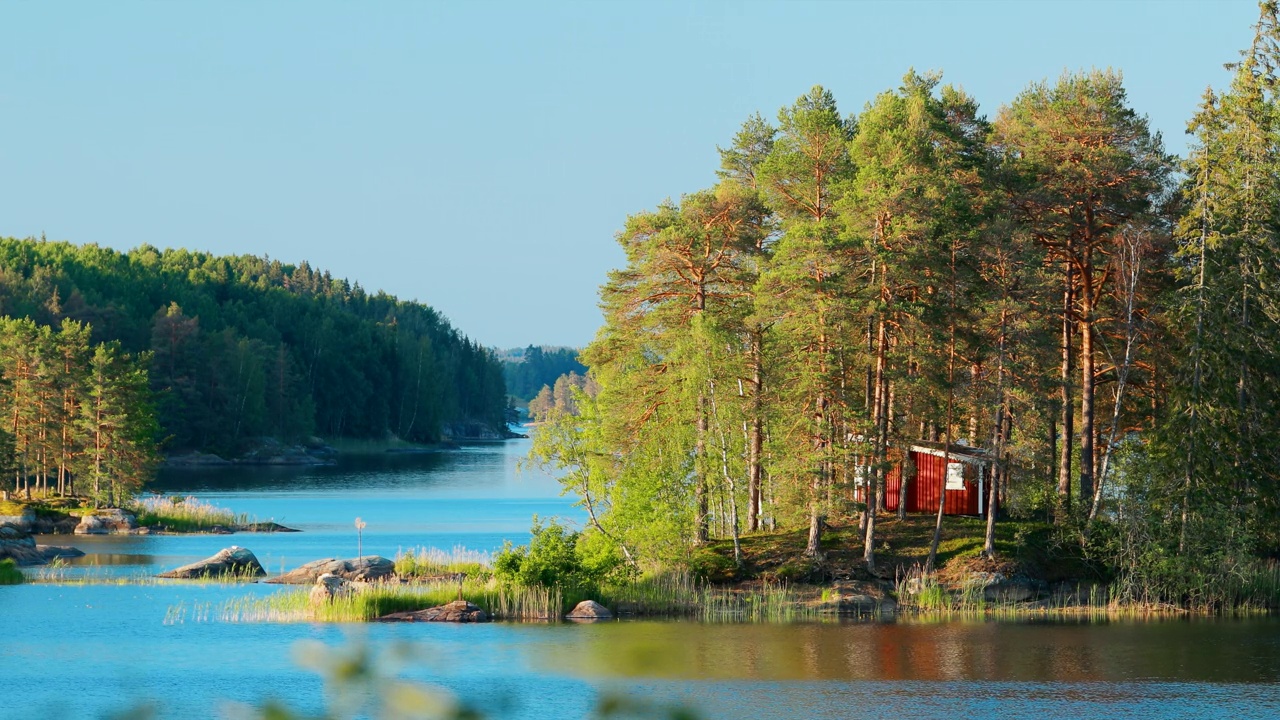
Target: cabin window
(860,475)
(955,476)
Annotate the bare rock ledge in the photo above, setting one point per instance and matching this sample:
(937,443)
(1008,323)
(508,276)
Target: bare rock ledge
(458,611)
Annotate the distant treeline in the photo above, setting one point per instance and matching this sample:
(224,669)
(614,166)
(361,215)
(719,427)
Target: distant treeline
(245,347)
(534,368)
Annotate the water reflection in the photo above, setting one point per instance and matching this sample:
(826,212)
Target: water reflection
(108,559)
(1215,651)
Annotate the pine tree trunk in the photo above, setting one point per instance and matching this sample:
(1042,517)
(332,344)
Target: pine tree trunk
(993,492)
(755,441)
(1068,421)
(998,441)
(1087,384)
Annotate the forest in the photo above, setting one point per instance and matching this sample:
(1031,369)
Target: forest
(529,370)
(230,350)
(1046,283)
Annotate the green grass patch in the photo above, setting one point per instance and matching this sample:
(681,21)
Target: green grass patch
(9,573)
(680,595)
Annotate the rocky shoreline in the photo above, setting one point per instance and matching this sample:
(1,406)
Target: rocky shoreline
(17,531)
(21,547)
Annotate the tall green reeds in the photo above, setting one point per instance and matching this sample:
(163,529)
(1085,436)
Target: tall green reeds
(1254,589)
(425,562)
(369,602)
(670,596)
(681,595)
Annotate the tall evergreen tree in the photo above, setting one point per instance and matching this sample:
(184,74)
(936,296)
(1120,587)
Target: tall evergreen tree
(1086,167)
(801,296)
(1221,440)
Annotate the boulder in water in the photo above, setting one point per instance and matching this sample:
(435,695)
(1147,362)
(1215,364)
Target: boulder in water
(24,520)
(236,561)
(589,610)
(369,568)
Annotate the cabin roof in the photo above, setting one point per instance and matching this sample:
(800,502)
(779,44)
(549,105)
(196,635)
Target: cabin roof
(963,453)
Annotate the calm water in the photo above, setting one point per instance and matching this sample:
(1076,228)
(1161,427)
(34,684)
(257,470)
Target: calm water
(71,651)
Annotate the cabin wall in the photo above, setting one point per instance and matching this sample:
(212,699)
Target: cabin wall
(922,491)
(931,478)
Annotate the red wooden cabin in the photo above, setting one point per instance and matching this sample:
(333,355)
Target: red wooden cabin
(965,483)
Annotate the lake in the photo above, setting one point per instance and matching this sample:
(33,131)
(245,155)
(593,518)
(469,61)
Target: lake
(72,651)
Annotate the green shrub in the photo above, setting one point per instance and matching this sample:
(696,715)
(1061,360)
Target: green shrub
(9,572)
(561,558)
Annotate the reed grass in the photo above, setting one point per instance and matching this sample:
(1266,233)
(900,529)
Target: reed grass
(60,572)
(680,595)
(378,599)
(667,596)
(1255,591)
(427,562)
(185,514)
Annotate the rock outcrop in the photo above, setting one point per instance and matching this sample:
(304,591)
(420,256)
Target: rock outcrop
(23,521)
(996,587)
(859,597)
(264,527)
(458,611)
(16,544)
(195,459)
(589,610)
(369,568)
(233,561)
(107,521)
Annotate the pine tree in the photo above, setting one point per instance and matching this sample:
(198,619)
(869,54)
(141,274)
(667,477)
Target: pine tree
(801,297)
(1221,439)
(1086,166)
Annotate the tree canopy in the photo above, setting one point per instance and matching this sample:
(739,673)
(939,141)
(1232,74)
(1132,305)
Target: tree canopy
(245,347)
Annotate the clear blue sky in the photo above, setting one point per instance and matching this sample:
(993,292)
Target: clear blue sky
(479,157)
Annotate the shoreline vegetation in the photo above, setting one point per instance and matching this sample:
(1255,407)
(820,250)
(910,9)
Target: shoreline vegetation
(145,515)
(1041,583)
(1040,579)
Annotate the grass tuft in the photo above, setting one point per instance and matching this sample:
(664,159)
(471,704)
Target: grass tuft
(9,572)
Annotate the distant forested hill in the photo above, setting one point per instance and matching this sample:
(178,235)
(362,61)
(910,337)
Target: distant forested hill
(245,347)
(528,370)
